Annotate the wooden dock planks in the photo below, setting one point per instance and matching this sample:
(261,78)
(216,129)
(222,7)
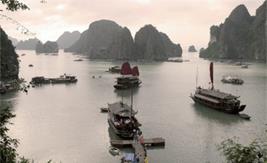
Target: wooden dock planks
(153,142)
(139,151)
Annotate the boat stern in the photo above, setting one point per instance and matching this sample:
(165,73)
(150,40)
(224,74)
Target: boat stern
(241,108)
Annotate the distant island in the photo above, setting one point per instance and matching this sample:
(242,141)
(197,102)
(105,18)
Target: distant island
(29,44)
(241,36)
(192,49)
(48,47)
(13,40)
(105,39)
(67,39)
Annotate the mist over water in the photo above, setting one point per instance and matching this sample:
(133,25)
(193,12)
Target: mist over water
(63,122)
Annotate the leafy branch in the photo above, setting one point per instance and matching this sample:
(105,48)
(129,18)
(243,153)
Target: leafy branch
(14,5)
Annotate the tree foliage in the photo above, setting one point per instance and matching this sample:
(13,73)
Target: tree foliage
(14,5)
(7,145)
(255,152)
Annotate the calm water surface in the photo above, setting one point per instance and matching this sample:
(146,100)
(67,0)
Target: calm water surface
(63,123)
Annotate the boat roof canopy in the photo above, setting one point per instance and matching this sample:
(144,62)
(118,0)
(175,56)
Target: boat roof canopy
(121,109)
(217,94)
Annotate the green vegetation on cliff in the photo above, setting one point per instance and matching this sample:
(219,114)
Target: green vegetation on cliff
(9,67)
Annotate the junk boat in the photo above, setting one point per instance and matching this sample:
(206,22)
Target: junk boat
(62,79)
(232,80)
(129,78)
(216,99)
(114,69)
(121,118)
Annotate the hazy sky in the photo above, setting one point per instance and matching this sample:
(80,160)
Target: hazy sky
(185,21)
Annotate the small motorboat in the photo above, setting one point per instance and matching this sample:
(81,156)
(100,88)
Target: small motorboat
(114,69)
(244,116)
(232,80)
(78,60)
(244,66)
(103,110)
(30,65)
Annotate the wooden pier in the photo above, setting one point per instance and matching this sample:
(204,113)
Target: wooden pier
(139,151)
(154,142)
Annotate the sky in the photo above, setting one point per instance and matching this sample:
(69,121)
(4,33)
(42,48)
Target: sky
(185,21)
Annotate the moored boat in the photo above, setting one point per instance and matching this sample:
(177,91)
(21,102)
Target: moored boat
(244,66)
(62,79)
(217,99)
(232,80)
(40,80)
(114,69)
(129,78)
(121,118)
(127,82)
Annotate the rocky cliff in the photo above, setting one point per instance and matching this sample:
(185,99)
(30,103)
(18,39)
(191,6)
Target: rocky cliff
(171,49)
(150,44)
(29,44)
(106,39)
(240,36)
(8,59)
(67,39)
(48,47)
(192,49)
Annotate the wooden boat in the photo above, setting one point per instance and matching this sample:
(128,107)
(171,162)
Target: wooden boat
(244,66)
(121,118)
(232,80)
(216,99)
(78,60)
(64,79)
(114,69)
(40,80)
(127,82)
(129,78)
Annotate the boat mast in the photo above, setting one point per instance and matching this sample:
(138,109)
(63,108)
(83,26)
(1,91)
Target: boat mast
(197,77)
(211,75)
(131,102)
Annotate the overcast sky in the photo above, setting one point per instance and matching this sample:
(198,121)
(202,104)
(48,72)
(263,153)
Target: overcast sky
(184,21)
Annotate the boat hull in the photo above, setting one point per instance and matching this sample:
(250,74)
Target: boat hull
(233,110)
(126,86)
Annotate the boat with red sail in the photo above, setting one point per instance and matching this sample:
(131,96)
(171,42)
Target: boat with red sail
(129,77)
(217,99)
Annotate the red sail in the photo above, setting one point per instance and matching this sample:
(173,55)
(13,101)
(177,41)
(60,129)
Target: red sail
(211,74)
(126,69)
(135,71)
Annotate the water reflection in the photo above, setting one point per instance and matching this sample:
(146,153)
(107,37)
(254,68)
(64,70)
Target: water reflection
(8,99)
(216,116)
